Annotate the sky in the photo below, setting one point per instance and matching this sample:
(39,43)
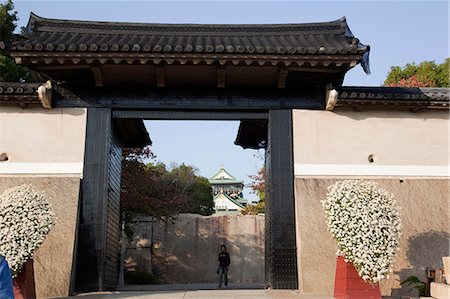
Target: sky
(398,32)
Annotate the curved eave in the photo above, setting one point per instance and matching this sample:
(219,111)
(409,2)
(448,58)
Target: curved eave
(35,59)
(225,182)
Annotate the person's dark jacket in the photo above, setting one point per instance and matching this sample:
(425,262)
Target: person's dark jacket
(224,259)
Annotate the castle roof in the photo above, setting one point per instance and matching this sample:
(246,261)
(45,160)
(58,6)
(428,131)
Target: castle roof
(224,197)
(223,177)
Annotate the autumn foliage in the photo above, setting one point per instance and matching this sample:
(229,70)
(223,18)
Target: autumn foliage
(424,74)
(152,190)
(412,81)
(258,186)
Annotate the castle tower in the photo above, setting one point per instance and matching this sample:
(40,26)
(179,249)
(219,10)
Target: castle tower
(227,192)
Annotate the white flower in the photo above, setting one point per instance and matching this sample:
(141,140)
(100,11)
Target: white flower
(365,221)
(25,220)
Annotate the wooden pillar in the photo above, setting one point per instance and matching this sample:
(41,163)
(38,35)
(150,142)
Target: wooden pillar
(90,267)
(280,248)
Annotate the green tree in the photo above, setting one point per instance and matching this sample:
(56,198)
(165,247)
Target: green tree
(424,74)
(200,197)
(197,188)
(9,70)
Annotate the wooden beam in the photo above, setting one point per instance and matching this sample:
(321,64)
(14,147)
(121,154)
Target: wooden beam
(98,75)
(160,76)
(192,98)
(221,76)
(315,70)
(281,78)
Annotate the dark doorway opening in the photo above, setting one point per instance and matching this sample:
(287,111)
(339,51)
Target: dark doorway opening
(99,227)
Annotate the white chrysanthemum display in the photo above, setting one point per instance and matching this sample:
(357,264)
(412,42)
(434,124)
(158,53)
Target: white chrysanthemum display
(365,221)
(26,218)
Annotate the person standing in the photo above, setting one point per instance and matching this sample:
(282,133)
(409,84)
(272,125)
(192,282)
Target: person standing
(6,284)
(224,263)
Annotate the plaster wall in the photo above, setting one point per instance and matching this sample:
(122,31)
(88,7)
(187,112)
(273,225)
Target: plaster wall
(186,251)
(38,140)
(411,151)
(326,142)
(45,148)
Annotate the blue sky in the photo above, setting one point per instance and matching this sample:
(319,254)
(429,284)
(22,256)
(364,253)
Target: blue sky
(397,31)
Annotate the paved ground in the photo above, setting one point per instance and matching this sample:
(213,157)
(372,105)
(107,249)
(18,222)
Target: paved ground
(199,291)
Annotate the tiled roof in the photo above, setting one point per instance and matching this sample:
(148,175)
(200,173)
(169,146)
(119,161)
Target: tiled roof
(223,177)
(224,182)
(318,39)
(19,93)
(222,174)
(63,35)
(417,98)
(229,198)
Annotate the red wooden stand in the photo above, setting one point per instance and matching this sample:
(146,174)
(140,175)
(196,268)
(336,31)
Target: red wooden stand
(24,282)
(349,285)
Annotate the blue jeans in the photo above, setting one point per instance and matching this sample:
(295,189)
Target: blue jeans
(223,271)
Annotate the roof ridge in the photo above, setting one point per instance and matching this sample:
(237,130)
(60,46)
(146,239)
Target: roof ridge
(220,170)
(37,23)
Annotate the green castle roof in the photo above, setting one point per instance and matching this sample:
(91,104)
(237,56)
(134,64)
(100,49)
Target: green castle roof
(224,177)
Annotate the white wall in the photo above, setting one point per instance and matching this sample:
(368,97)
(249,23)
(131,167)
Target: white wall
(339,143)
(42,141)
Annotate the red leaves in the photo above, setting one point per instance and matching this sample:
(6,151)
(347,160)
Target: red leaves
(146,189)
(258,184)
(412,81)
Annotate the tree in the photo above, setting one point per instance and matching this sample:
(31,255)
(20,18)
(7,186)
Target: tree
(200,197)
(148,189)
(258,187)
(197,188)
(9,70)
(154,191)
(424,74)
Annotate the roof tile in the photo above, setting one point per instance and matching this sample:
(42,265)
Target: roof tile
(61,35)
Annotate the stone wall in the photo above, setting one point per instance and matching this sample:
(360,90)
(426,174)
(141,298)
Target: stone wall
(53,261)
(186,251)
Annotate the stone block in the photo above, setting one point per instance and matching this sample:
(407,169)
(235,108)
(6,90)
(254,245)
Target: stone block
(446,263)
(440,290)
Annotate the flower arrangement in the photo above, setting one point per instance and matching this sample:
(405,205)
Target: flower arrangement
(26,218)
(365,221)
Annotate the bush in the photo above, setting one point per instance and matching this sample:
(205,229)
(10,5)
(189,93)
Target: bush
(139,277)
(26,218)
(365,221)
